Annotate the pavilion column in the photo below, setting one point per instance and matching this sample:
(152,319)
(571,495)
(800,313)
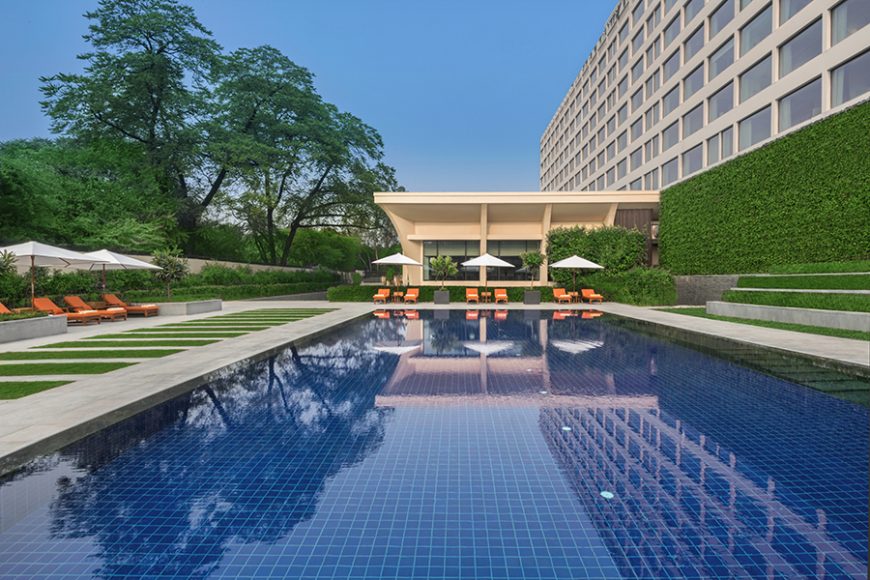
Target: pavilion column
(484,226)
(545,228)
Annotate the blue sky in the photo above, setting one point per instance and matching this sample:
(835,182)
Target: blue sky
(461,91)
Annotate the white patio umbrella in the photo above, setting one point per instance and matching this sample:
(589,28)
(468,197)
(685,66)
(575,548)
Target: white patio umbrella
(576,346)
(576,263)
(114,261)
(398,259)
(490,347)
(486,261)
(34,254)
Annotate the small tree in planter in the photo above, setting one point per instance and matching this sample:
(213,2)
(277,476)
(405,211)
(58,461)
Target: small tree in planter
(174,268)
(442,267)
(533,262)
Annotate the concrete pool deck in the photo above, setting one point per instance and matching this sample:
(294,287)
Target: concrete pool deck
(46,421)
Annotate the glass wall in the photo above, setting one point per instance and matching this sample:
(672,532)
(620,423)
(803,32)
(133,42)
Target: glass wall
(509,251)
(757,30)
(849,17)
(459,250)
(801,105)
(850,80)
(805,46)
(755,128)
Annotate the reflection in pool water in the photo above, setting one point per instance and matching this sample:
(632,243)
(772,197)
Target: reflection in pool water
(520,446)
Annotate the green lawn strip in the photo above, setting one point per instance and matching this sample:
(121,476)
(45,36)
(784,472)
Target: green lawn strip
(64,368)
(48,354)
(825,282)
(217,328)
(701,313)
(826,301)
(141,335)
(127,343)
(18,389)
(822,267)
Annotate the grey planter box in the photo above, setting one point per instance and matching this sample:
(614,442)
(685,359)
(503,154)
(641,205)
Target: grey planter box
(188,308)
(13,330)
(532,297)
(810,316)
(442,297)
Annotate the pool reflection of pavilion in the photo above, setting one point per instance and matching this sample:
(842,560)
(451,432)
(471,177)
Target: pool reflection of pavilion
(493,371)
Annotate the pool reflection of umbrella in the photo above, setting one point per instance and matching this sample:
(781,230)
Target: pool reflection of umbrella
(576,346)
(576,263)
(487,261)
(490,347)
(397,349)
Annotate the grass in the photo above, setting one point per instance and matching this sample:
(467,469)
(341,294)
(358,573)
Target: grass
(64,368)
(850,302)
(43,355)
(170,334)
(827,282)
(227,325)
(128,343)
(822,267)
(702,313)
(18,389)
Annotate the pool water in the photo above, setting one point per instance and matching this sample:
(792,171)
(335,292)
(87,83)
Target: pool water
(438,446)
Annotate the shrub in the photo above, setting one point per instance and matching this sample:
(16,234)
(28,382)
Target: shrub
(827,282)
(801,198)
(532,261)
(174,268)
(617,249)
(852,302)
(442,267)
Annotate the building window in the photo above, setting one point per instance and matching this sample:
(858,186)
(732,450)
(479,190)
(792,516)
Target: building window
(801,105)
(755,128)
(744,3)
(651,116)
(671,66)
(849,17)
(623,33)
(636,100)
(651,148)
(802,48)
(622,88)
(654,19)
(623,60)
(510,251)
(693,82)
(636,185)
(611,150)
(721,17)
(755,79)
(611,125)
(727,142)
(693,7)
(636,129)
(671,100)
(620,169)
(788,8)
(669,4)
(693,121)
(850,80)
(622,141)
(722,58)
(652,53)
(459,250)
(599,184)
(637,42)
(721,102)
(637,70)
(672,30)
(757,30)
(636,158)
(693,160)
(652,84)
(670,172)
(713,150)
(693,44)
(622,114)
(671,135)
(651,180)
(637,13)
(611,177)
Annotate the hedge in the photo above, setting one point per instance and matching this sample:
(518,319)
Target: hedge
(822,267)
(803,198)
(827,282)
(21,316)
(851,302)
(617,249)
(234,292)
(640,286)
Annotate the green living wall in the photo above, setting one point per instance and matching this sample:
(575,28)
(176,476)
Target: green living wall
(803,198)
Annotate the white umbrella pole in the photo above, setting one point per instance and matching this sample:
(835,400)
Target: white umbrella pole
(32,279)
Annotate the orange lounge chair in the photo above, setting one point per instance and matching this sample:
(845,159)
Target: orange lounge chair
(382,314)
(412,314)
(592,314)
(501,295)
(382,296)
(412,295)
(79,305)
(501,314)
(4,310)
(590,295)
(563,315)
(46,305)
(471,295)
(561,296)
(472,315)
(145,310)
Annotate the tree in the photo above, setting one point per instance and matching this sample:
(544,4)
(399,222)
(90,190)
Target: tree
(144,86)
(442,267)
(532,261)
(174,268)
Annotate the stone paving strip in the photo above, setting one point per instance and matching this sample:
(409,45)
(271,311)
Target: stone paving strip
(77,361)
(47,420)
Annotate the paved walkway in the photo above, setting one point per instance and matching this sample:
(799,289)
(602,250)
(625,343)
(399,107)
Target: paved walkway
(45,421)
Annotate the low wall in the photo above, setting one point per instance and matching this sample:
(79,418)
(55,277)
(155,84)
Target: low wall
(196,265)
(305,296)
(188,308)
(809,316)
(13,330)
(698,290)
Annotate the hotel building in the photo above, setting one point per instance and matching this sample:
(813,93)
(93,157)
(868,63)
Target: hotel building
(674,87)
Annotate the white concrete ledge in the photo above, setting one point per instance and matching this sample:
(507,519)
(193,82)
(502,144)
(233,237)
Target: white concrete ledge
(841,319)
(188,308)
(12,330)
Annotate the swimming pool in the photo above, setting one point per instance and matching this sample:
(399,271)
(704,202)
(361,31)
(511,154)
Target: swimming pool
(442,446)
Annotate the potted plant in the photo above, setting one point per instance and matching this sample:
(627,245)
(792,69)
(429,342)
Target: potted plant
(442,267)
(532,261)
(174,268)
